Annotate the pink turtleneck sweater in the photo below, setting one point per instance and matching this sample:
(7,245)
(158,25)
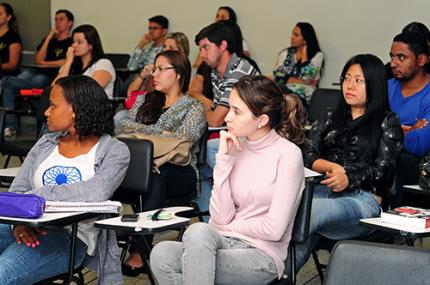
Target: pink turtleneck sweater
(257,192)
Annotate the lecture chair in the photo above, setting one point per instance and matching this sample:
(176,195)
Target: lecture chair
(357,263)
(300,231)
(136,184)
(133,190)
(391,201)
(119,62)
(201,160)
(19,147)
(323,99)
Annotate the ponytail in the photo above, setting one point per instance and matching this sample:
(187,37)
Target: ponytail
(292,126)
(263,96)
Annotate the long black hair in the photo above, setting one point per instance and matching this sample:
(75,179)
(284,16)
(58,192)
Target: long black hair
(92,108)
(13,23)
(310,37)
(376,99)
(151,109)
(92,37)
(231,13)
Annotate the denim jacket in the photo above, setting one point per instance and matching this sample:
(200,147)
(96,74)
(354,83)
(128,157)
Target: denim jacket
(111,162)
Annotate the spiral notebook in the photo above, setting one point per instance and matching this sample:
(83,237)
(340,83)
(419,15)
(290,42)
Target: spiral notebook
(113,207)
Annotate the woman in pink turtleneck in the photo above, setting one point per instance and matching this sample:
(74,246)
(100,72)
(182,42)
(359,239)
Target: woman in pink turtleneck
(258,181)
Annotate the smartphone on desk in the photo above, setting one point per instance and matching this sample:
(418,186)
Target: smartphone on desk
(129,218)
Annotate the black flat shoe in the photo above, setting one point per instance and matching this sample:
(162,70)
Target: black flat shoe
(128,270)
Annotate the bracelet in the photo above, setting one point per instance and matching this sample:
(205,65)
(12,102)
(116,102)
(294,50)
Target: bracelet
(140,75)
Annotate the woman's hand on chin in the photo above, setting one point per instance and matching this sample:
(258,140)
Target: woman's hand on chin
(227,143)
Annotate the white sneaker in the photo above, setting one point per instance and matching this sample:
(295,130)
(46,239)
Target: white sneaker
(9,132)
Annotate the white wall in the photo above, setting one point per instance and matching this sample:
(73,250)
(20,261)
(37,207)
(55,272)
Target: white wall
(344,27)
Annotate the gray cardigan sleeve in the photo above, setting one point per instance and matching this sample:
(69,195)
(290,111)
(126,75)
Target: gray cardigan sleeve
(110,168)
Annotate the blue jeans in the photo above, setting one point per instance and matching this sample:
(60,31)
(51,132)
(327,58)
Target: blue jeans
(12,84)
(117,119)
(205,257)
(336,215)
(20,264)
(206,173)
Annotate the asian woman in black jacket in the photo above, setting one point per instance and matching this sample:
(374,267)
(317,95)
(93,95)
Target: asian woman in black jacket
(356,147)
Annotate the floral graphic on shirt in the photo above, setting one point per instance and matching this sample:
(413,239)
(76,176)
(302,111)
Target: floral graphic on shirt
(287,67)
(58,175)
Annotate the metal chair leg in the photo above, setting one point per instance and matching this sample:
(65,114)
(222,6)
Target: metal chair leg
(318,265)
(292,251)
(6,163)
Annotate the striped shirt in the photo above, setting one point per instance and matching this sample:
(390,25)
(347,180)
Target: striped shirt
(237,68)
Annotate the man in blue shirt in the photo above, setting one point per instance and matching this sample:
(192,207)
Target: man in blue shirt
(409,90)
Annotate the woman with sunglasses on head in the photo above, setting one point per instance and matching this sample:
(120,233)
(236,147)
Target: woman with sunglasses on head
(258,181)
(167,111)
(356,147)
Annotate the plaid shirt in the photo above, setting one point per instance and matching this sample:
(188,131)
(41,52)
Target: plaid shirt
(237,68)
(143,56)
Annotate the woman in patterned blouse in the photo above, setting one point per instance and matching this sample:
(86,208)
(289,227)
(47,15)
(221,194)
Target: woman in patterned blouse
(170,112)
(298,68)
(356,147)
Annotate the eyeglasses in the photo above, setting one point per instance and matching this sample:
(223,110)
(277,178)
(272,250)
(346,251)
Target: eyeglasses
(348,80)
(153,28)
(161,68)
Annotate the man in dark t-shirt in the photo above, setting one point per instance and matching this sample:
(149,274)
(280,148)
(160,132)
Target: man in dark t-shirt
(50,56)
(55,54)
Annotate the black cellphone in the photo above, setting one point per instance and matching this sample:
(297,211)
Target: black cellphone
(318,179)
(130,218)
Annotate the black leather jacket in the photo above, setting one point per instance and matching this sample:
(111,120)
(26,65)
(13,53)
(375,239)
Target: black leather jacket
(365,169)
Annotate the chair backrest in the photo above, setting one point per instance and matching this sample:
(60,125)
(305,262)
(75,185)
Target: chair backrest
(119,89)
(357,263)
(203,147)
(2,125)
(138,179)
(27,57)
(119,60)
(303,215)
(322,100)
